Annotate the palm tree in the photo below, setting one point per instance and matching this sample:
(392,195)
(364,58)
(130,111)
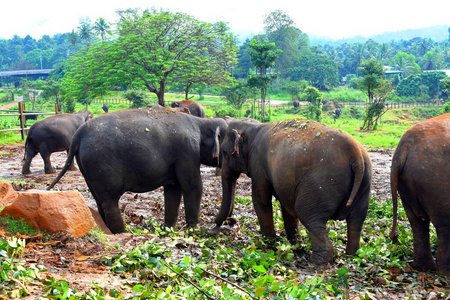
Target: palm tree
(101,27)
(85,31)
(73,37)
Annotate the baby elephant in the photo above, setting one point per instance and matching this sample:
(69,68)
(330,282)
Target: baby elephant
(316,172)
(50,135)
(421,174)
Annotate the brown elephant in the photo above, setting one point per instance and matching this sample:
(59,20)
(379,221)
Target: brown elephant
(421,174)
(50,135)
(316,172)
(195,108)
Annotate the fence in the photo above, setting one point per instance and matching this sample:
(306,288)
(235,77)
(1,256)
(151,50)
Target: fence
(112,101)
(22,114)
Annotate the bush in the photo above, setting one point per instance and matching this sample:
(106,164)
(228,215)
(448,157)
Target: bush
(136,97)
(446,108)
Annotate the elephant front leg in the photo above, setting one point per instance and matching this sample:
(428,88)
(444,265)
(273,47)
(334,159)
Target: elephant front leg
(172,200)
(262,202)
(47,163)
(290,225)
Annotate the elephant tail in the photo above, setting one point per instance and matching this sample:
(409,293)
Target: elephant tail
(26,143)
(398,161)
(359,168)
(73,150)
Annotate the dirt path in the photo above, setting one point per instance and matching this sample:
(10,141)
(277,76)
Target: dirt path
(3,107)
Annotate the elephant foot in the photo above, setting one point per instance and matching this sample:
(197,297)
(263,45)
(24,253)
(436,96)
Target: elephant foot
(321,258)
(230,221)
(50,171)
(445,271)
(214,231)
(26,172)
(423,266)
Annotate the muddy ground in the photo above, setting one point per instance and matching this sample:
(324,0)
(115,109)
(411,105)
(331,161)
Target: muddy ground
(77,260)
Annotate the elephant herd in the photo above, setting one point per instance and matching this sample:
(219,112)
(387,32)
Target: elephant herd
(317,173)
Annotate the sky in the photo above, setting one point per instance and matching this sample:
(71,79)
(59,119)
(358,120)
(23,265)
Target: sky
(334,19)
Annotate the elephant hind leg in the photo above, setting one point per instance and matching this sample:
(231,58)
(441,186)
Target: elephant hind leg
(423,259)
(443,251)
(354,227)
(30,154)
(72,165)
(322,249)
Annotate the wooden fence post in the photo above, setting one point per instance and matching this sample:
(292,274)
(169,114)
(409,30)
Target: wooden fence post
(22,119)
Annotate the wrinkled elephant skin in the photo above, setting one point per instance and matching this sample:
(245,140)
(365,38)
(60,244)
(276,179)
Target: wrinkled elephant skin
(420,173)
(141,150)
(317,173)
(50,135)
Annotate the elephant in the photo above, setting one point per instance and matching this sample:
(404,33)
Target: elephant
(316,172)
(420,173)
(141,150)
(296,104)
(50,135)
(195,108)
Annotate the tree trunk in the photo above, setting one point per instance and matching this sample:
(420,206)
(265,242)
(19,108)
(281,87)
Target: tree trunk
(161,92)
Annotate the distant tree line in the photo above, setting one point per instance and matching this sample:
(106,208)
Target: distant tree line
(160,51)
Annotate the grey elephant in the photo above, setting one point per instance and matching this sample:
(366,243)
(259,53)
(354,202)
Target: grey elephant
(50,135)
(316,172)
(420,173)
(141,150)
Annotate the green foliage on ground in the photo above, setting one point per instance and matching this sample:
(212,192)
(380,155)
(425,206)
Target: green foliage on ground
(240,264)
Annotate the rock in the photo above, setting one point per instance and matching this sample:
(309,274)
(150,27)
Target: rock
(7,194)
(52,211)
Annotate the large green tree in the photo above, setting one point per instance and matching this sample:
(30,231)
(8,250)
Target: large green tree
(280,29)
(154,49)
(263,55)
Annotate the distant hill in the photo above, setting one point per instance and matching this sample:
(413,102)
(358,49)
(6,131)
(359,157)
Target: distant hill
(437,33)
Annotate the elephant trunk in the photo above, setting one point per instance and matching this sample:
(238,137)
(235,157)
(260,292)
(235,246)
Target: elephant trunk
(228,192)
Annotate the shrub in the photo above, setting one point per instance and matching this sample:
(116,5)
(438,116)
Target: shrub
(446,108)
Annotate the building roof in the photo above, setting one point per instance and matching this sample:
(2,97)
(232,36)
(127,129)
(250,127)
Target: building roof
(25,72)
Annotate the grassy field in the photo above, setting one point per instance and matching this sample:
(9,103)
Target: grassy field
(392,126)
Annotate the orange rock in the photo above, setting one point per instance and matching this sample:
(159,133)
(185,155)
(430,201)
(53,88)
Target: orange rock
(7,194)
(53,211)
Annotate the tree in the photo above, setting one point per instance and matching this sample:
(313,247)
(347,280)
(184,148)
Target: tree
(153,49)
(101,27)
(406,63)
(314,97)
(280,29)
(263,55)
(157,47)
(85,30)
(377,88)
(237,93)
(295,87)
(211,60)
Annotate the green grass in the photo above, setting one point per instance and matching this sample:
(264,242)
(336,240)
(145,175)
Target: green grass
(14,226)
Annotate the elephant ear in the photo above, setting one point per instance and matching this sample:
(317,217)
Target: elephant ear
(237,138)
(216,148)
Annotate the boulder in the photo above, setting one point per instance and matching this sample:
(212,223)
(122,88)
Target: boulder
(53,211)
(7,194)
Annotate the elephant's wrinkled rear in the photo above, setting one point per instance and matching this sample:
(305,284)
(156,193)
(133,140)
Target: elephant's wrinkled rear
(316,172)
